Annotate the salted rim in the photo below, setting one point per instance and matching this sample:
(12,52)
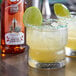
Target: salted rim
(46,25)
(48,22)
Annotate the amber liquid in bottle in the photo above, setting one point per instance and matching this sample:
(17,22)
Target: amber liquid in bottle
(12,27)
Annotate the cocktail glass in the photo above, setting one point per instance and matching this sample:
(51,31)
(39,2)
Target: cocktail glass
(47,44)
(71,46)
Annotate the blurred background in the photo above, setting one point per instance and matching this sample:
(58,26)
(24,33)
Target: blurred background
(46,6)
(71,4)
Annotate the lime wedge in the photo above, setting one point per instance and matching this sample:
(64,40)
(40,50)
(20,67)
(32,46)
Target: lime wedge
(61,10)
(32,16)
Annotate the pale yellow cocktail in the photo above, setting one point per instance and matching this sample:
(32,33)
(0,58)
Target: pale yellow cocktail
(72,33)
(47,44)
(72,39)
(71,45)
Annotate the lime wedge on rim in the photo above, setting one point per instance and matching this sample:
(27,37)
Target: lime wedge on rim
(32,16)
(61,10)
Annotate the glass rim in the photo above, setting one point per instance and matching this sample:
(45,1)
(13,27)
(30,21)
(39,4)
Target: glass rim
(46,24)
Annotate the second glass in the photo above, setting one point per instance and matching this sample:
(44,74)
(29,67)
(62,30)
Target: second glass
(71,46)
(47,44)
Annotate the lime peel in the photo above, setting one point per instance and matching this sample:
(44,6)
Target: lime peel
(32,16)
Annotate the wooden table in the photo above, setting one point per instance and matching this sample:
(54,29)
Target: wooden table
(16,65)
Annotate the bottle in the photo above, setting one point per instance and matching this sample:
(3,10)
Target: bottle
(46,12)
(12,27)
(44,7)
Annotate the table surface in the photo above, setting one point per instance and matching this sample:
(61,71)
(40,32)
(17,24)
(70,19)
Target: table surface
(16,65)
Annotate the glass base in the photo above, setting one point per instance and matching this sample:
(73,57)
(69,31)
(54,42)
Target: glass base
(70,52)
(39,65)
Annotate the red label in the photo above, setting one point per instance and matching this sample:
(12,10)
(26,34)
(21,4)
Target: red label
(14,28)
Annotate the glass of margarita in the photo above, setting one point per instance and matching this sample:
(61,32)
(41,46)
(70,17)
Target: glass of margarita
(71,46)
(47,44)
